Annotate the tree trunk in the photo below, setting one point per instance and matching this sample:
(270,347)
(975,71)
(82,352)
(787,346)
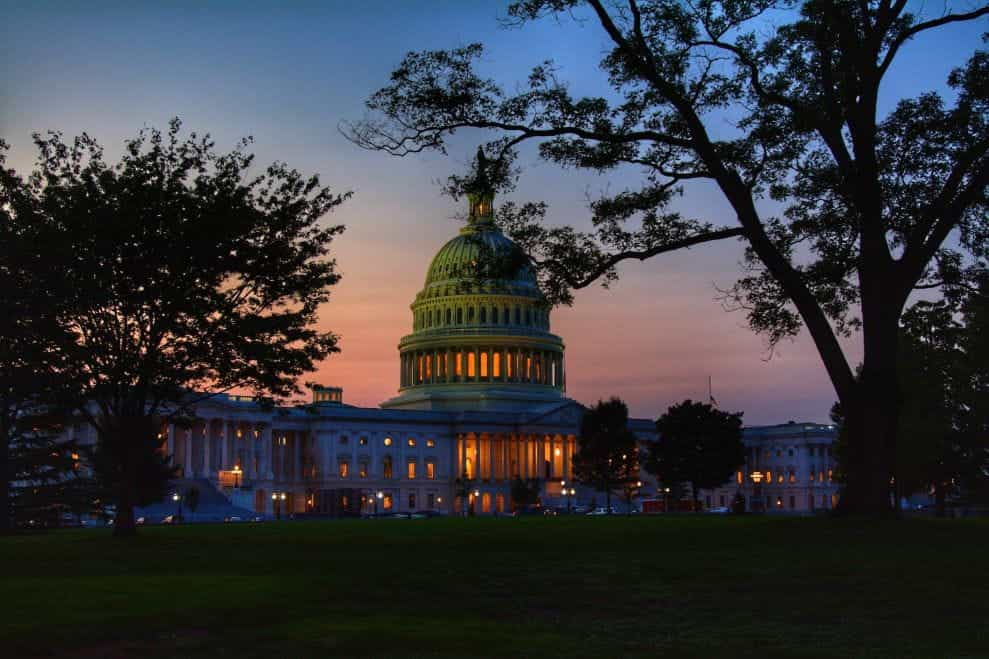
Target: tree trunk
(872,415)
(6,516)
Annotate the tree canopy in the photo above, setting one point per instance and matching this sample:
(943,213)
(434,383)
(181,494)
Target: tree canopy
(181,274)
(697,444)
(607,456)
(843,211)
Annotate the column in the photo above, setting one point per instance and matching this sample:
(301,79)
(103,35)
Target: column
(267,453)
(188,472)
(297,438)
(566,458)
(225,446)
(170,443)
(207,458)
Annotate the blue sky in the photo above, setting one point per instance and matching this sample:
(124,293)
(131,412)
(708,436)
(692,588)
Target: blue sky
(288,73)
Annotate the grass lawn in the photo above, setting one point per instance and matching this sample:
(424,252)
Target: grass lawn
(580,586)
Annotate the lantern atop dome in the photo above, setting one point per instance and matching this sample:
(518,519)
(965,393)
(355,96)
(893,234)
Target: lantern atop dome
(480,194)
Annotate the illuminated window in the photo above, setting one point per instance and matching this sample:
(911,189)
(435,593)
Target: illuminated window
(820,476)
(793,477)
(412,442)
(343,469)
(459,364)
(769,476)
(484,364)
(430,443)
(387,441)
(469,468)
(779,478)
(431,471)
(509,368)
(410,471)
(386,464)
(738,477)
(387,501)
(830,474)
(496,365)
(362,469)
(811,475)
(471,367)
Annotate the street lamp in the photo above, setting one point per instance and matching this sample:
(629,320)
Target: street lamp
(568,494)
(277,498)
(177,498)
(756,477)
(378,497)
(666,498)
(439,504)
(237,473)
(473,508)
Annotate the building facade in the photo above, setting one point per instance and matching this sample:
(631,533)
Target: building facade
(788,468)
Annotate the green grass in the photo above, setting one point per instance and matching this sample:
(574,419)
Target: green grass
(588,587)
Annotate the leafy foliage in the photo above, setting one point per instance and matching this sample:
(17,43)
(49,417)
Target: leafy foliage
(698,444)
(181,276)
(607,456)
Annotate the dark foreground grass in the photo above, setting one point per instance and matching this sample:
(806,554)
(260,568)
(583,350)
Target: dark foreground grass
(594,587)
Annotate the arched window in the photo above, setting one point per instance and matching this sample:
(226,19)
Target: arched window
(528,316)
(504,316)
(484,364)
(518,316)
(386,466)
(448,315)
(484,314)
(471,364)
(470,314)
(460,316)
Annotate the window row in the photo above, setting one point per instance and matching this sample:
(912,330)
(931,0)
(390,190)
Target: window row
(411,442)
(481,315)
(387,469)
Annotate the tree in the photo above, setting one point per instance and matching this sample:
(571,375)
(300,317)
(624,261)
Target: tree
(183,277)
(34,461)
(767,101)
(524,493)
(607,456)
(698,444)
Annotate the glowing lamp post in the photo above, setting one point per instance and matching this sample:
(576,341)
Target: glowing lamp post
(276,499)
(177,498)
(237,473)
(378,497)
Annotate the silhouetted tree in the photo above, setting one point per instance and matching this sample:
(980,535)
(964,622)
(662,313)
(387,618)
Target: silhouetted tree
(763,100)
(185,276)
(698,444)
(524,493)
(607,456)
(945,400)
(33,411)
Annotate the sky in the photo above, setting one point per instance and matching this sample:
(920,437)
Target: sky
(288,73)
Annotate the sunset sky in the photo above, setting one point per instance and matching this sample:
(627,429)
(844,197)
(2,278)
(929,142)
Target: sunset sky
(288,73)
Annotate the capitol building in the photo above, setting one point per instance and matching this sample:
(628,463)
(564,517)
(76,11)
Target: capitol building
(481,404)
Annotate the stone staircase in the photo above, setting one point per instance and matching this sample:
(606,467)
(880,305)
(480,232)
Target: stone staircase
(214,505)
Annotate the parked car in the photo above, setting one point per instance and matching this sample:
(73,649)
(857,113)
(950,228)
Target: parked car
(172,519)
(720,510)
(603,511)
(233,519)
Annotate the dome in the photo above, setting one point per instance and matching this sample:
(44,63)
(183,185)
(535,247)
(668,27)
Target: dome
(480,325)
(484,255)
